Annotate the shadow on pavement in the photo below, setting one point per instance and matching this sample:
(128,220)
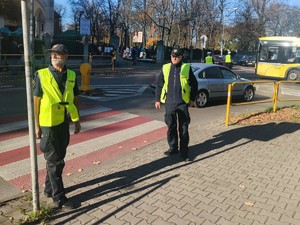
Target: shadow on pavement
(127,182)
(120,184)
(264,132)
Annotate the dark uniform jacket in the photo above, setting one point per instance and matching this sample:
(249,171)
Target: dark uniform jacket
(174,95)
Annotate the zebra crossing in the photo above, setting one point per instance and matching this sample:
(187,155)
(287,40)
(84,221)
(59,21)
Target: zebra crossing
(105,134)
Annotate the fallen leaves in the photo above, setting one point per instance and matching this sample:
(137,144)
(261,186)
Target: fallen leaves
(249,203)
(241,186)
(289,114)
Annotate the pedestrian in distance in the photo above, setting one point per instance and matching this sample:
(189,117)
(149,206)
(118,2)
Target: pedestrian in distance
(209,59)
(56,103)
(177,88)
(134,55)
(228,61)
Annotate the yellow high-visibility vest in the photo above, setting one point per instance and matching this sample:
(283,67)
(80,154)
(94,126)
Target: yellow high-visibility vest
(184,80)
(228,58)
(53,102)
(209,59)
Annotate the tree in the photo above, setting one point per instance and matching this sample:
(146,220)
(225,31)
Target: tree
(61,11)
(282,20)
(182,22)
(11,10)
(246,30)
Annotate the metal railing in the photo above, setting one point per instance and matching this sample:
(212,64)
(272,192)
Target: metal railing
(14,63)
(274,98)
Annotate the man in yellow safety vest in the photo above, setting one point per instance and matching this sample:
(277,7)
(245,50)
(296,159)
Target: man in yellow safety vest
(209,59)
(55,93)
(228,61)
(177,87)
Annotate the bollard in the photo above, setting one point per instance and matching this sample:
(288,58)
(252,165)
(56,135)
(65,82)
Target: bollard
(228,105)
(85,70)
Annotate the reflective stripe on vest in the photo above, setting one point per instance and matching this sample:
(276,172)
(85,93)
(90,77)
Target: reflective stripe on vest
(209,60)
(53,103)
(184,81)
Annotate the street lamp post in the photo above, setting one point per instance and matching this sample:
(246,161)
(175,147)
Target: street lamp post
(222,37)
(223,22)
(80,15)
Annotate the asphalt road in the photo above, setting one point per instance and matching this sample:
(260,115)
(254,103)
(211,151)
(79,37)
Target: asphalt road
(144,104)
(135,96)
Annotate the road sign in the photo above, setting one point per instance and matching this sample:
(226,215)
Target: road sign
(138,37)
(85,26)
(203,39)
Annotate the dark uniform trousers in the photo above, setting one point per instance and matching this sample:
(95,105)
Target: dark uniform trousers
(53,144)
(181,113)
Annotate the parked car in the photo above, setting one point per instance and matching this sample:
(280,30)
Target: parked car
(235,59)
(219,59)
(213,83)
(242,60)
(250,60)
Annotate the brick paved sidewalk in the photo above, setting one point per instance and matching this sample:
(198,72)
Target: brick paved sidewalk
(239,175)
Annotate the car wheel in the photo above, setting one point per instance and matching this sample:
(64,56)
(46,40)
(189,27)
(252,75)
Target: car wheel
(248,94)
(293,75)
(201,99)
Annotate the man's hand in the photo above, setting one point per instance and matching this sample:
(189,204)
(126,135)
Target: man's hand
(38,132)
(157,105)
(191,103)
(77,127)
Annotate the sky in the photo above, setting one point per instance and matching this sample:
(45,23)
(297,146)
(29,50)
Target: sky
(65,19)
(67,15)
(295,3)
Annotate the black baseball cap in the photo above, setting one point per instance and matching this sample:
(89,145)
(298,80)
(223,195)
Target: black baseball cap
(176,52)
(58,48)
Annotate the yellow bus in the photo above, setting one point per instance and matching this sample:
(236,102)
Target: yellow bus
(279,58)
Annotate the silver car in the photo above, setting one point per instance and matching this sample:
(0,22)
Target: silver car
(213,83)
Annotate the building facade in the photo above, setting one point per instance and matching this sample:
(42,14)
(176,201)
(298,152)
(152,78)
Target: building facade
(44,17)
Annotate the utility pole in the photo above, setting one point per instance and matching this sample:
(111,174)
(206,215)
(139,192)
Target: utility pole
(222,37)
(28,76)
(32,27)
(144,30)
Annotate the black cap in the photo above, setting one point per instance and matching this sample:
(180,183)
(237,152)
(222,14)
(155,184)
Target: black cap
(176,52)
(58,48)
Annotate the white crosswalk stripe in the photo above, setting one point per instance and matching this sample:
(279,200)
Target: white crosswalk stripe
(23,124)
(112,92)
(101,129)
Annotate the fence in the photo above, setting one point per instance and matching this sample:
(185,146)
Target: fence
(11,62)
(14,63)
(275,96)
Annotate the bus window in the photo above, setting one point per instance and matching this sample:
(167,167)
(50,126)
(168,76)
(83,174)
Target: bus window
(268,54)
(273,54)
(263,53)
